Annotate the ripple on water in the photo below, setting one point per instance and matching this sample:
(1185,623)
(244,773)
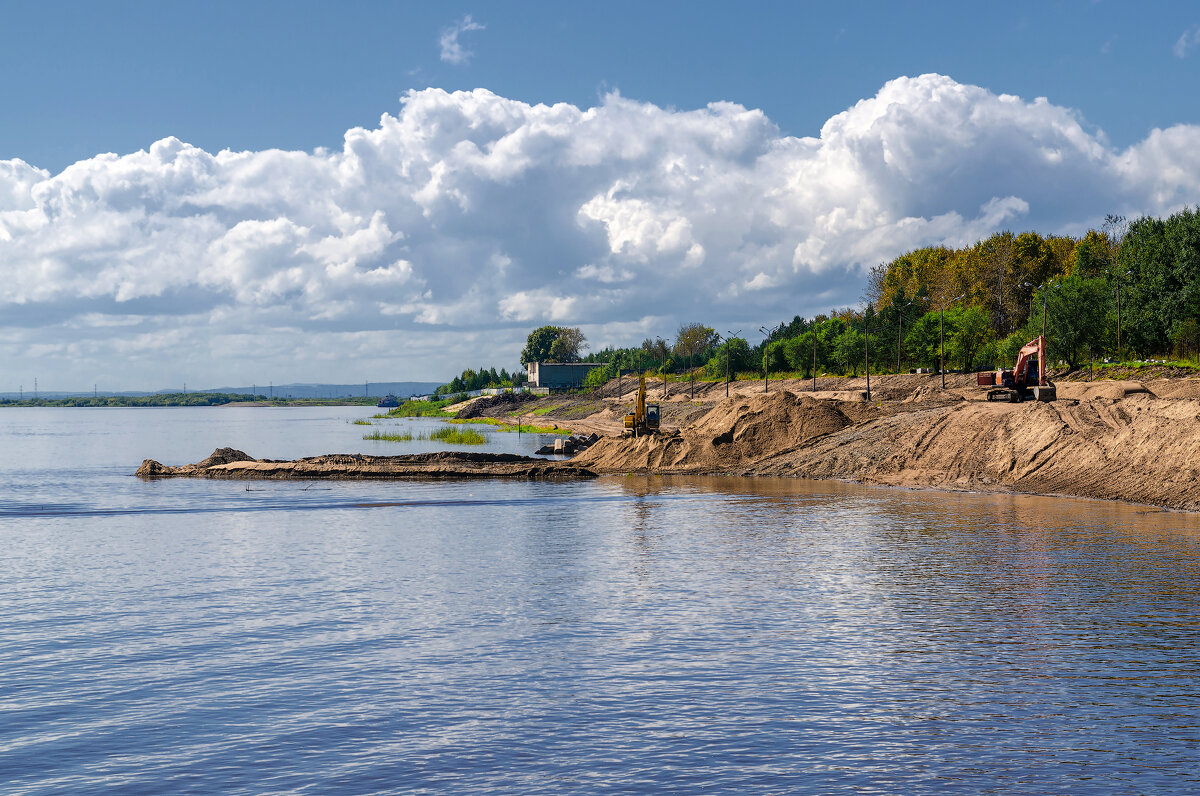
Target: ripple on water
(631,634)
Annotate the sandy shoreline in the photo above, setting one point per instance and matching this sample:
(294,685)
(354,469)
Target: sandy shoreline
(1111,440)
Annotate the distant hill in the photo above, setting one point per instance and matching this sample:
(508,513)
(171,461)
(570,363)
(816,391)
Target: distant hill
(375,389)
(401,389)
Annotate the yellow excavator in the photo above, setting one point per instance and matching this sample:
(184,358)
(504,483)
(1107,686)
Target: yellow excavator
(643,419)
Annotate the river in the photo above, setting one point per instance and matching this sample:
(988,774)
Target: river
(628,634)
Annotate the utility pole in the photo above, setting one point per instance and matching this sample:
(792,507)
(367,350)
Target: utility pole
(867,354)
(366,389)
(942,338)
(900,334)
(942,344)
(814,334)
(766,353)
(35,388)
(728,357)
(1118,319)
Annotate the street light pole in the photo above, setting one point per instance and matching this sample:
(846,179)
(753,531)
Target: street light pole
(867,354)
(942,344)
(814,334)
(1118,319)
(942,337)
(766,353)
(727,357)
(900,332)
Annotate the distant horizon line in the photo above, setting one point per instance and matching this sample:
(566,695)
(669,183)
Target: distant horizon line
(351,389)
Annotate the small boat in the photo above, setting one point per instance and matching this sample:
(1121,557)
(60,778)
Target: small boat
(388,401)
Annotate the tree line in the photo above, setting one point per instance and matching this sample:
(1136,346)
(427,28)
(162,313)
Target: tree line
(1128,289)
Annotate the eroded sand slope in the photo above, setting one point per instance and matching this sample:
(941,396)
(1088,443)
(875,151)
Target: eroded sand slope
(1135,447)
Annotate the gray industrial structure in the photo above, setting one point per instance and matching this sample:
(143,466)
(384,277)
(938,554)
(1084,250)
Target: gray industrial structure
(559,375)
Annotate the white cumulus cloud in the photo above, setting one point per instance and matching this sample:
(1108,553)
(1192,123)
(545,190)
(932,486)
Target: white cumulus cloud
(439,237)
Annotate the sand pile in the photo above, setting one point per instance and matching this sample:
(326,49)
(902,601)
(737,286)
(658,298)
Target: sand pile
(1137,449)
(734,432)
(1118,444)
(1175,388)
(1094,390)
(488,404)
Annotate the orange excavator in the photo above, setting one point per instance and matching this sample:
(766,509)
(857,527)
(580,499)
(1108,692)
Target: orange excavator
(643,419)
(1026,381)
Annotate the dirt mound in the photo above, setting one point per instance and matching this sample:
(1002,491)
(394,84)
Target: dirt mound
(1138,449)
(225,456)
(1175,388)
(1097,390)
(932,391)
(733,433)
(488,404)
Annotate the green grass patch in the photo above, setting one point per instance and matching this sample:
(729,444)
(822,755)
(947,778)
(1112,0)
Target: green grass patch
(500,425)
(458,436)
(389,436)
(361,422)
(544,410)
(451,436)
(418,409)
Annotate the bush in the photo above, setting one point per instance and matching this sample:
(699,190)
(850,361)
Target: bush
(598,377)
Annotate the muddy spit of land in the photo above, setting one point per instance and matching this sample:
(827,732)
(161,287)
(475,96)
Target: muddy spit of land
(230,463)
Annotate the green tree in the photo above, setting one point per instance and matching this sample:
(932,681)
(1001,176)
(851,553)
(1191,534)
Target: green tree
(537,345)
(1162,257)
(848,350)
(554,344)
(970,334)
(1008,348)
(1077,311)
(1185,338)
(693,340)
(922,342)
(737,351)
(598,377)
(799,350)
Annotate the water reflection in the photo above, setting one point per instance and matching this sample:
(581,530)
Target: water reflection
(631,633)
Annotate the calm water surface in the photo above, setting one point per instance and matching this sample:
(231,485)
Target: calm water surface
(625,634)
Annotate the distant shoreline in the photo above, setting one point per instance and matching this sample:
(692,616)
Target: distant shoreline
(182,400)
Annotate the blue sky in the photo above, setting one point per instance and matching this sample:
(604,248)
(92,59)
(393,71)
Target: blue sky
(83,78)
(409,188)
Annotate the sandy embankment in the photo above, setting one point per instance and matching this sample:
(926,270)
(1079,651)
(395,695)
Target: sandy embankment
(1107,439)
(1113,440)
(234,464)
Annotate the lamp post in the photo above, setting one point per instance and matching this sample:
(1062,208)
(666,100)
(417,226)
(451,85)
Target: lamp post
(814,334)
(1118,279)
(867,354)
(942,337)
(766,353)
(900,332)
(727,357)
